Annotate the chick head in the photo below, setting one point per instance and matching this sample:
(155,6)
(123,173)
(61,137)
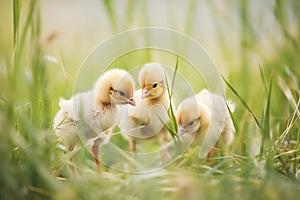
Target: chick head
(122,88)
(115,86)
(152,80)
(188,116)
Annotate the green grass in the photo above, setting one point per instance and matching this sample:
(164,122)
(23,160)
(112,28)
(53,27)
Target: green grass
(264,159)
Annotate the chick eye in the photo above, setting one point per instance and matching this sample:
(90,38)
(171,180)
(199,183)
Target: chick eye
(121,93)
(191,123)
(154,85)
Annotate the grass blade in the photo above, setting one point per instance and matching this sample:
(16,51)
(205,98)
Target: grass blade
(169,129)
(266,119)
(233,119)
(170,93)
(243,102)
(16,15)
(174,76)
(287,92)
(108,4)
(263,78)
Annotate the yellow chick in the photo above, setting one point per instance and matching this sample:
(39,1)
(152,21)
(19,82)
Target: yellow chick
(205,113)
(96,109)
(151,100)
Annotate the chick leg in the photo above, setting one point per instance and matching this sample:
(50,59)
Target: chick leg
(95,152)
(219,148)
(72,160)
(165,144)
(73,168)
(213,152)
(132,146)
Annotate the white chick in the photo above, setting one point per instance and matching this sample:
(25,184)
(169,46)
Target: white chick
(151,99)
(95,109)
(205,113)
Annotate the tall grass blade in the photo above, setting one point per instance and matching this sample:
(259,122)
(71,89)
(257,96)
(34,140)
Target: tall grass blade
(293,78)
(28,22)
(173,129)
(174,121)
(288,93)
(236,127)
(110,12)
(290,124)
(174,76)
(191,15)
(266,119)
(130,11)
(169,129)
(263,78)
(280,16)
(243,103)
(16,15)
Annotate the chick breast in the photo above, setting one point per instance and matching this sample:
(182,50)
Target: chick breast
(149,113)
(141,111)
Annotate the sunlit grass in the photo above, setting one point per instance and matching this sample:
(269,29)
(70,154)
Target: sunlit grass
(263,161)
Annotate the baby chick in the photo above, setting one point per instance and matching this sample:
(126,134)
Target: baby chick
(204,113)
(95,109)
(151,100)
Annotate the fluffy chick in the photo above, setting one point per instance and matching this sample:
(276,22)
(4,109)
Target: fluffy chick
(151,99)
(95,108)
(204,113)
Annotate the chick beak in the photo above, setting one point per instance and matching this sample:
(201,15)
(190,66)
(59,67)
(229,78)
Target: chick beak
(131,101)
(181,131)
(145,93)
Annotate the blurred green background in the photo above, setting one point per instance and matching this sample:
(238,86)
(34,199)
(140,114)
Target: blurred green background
(254,44)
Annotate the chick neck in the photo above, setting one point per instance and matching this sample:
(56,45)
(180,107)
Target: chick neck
(205,117)
(103,99)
